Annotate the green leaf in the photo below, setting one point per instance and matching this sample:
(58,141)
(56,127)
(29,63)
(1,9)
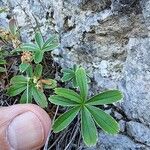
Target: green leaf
(23,67)
(26,96)
(2,69)
(67,77)
(19,79)
(105,121)
(50,84)
(52,41)
(39,39)
(107,97)
(2,62)
(59,100)
(82,82)
(29,71)
(69,71)
(38,70)
(50,47)
(13,26)
(69,94)
(27,47)
(74,82)
(16,89)
(69,74)
(39,97)
(3,10)
(65,119)
(88,128)
(38,56)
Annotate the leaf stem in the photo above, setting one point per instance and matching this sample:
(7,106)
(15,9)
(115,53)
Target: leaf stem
(27,89)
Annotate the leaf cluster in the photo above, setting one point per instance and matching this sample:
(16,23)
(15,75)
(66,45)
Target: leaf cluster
(40,46)
(30,83)
(90,115)
(31,86)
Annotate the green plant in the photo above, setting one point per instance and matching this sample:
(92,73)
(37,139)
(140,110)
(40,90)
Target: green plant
(31,85)
(69,75)
(39,47)
(89,114)
(6,36)
(2,61)
(2,10)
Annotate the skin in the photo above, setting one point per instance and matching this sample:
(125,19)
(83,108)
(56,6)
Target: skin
(23,127)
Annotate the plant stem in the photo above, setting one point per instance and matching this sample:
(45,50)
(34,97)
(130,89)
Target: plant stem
(27,89)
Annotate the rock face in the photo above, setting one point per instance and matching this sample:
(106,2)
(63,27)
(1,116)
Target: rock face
(111,38)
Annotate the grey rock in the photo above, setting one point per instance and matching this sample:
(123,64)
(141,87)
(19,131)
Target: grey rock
(145,4)
(122,125)
(111,39)
(118,142)
(118,115)
(137,76)
(139,132)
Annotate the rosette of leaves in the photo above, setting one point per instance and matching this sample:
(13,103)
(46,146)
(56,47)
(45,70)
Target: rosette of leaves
(91,116)
(40,46)
(31,86)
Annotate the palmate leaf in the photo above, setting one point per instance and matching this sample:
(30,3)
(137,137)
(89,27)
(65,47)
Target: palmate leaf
(69,94)
(88,128)
(103,120)
(39,39)
(39,97)
(65,119)
(59,100)
(82,82)
(107,97)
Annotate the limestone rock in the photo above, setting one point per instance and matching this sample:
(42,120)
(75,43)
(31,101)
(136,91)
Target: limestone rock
(118,142)
(111,39)
(139,132)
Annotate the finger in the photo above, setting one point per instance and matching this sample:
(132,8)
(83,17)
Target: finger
(23,126)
